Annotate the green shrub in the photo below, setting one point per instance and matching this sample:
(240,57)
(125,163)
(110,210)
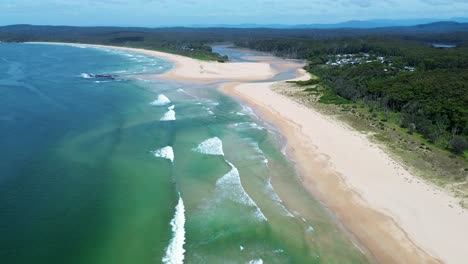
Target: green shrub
(458,144)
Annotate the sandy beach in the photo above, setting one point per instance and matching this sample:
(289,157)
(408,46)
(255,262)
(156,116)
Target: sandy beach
(189,69)
(397,216)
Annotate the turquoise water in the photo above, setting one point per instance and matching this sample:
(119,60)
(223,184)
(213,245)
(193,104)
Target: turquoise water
(138,171)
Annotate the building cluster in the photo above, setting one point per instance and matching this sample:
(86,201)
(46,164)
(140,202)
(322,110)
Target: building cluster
(355,59)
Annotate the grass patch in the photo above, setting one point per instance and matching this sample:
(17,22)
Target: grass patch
(312,89)
(204,57)
(305,83)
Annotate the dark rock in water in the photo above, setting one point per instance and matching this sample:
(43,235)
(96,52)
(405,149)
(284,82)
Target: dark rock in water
(104,76)
(100,76)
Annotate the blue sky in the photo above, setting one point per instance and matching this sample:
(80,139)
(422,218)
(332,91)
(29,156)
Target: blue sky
(155,13)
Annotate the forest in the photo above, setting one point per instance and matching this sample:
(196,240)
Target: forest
(396,70)
(425,86)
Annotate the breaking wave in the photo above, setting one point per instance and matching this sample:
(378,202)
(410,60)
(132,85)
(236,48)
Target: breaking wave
(162,100)
(230,187)
(212,146)
(166,153)
(169,115)
(175,251)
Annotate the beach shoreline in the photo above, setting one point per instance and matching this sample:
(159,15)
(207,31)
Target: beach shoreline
(322,182)
(189,69)
(354,178)
(424,224)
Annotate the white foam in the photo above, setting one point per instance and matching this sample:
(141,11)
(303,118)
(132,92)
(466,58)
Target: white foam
(242,126)
(231,187)
(169,116)
(241,248)
(162,100)
(175,251)
(86,76)
(255,126)
(269,188)
(249,111)
(208,110)
(166,153)
(212,146)
(256,261)
(171,107)
(310,229)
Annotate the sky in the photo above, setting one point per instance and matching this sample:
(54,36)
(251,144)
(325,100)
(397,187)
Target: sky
(155,13)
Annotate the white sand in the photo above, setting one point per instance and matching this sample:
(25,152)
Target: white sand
(398,217)
(192,69)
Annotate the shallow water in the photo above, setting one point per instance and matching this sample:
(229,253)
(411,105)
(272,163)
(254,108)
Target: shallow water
(245,55)
(135,171)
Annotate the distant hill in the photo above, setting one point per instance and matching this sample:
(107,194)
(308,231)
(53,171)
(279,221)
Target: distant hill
(438,32)
(436,27)
(366,24)
(353,29)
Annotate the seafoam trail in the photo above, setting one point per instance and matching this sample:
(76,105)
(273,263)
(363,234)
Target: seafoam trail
(230,186)
(175,252)
(276,198)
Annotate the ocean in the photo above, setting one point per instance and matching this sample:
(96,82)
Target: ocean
(128,170)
